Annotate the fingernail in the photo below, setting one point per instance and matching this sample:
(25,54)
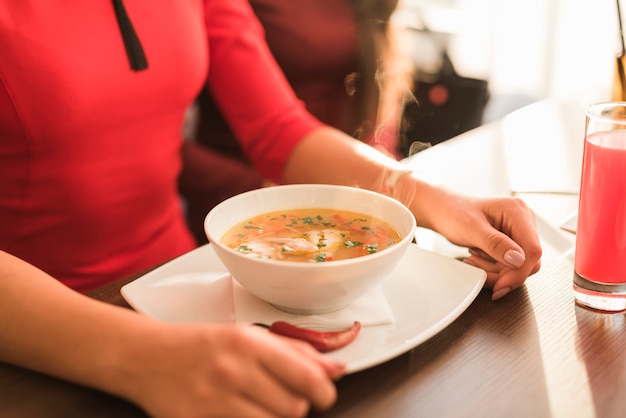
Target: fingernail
(500,293)
(514,258)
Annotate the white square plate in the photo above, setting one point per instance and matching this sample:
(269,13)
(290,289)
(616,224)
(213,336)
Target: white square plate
(426,292)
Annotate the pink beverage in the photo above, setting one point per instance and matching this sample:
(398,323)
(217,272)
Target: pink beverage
(601,231)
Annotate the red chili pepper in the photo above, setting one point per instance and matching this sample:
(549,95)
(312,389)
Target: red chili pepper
(323,341)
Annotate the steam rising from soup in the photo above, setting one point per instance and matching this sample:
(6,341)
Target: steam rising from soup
(312,235)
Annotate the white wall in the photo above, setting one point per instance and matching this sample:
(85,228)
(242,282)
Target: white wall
(586,42)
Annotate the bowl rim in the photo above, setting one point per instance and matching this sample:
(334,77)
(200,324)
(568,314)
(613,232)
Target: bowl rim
(408,237)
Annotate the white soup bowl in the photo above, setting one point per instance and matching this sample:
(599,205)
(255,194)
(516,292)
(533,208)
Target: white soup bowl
(304,287)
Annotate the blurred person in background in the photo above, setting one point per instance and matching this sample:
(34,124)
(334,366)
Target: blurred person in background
(339,57)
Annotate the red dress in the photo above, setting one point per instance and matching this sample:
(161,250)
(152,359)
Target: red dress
(90,149)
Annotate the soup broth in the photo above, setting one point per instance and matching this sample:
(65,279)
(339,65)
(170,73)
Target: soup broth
(311,235)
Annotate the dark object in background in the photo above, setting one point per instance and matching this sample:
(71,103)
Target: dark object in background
(446,105)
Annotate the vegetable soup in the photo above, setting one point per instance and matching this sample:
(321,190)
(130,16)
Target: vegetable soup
(313,235)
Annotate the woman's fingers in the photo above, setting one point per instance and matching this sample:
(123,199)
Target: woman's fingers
(302,369)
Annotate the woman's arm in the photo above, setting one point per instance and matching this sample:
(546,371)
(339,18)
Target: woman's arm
(169,370)
(500,233)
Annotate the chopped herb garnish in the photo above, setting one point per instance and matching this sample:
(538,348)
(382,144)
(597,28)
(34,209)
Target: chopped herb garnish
(244,249)
(251,227)
(366,228)
(371,248)
(319,258)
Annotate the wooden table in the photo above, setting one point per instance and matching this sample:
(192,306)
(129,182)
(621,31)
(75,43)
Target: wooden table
(533,353)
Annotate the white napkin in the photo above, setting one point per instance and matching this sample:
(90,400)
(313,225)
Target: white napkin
(370,309)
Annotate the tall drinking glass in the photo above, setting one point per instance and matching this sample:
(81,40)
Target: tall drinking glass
(600,259)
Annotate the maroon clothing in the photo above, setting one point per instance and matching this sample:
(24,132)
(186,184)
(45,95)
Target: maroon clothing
(315,44)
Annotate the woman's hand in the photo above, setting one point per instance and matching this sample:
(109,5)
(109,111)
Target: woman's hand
(499,232)
(502,240)
(238,371)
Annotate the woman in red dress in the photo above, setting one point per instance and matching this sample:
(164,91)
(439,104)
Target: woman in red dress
(92,100)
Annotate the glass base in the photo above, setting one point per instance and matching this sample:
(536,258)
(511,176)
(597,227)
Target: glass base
(602,297)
